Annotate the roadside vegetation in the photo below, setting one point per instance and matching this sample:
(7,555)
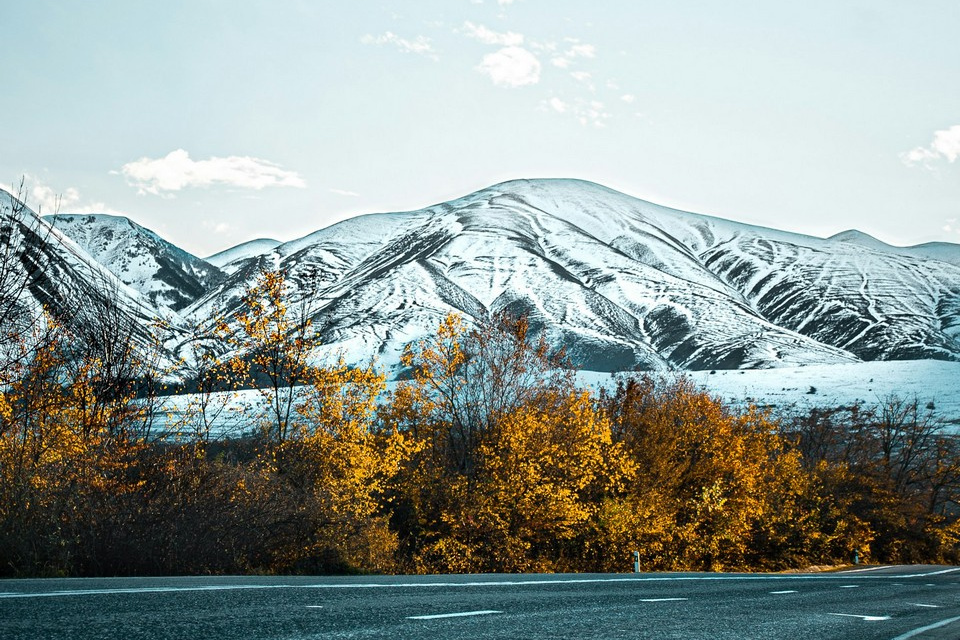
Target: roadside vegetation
(487,457)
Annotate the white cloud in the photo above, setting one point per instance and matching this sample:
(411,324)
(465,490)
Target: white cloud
(582,51)
(511,67)
(577,50)
(343,192)
(176,171)
(419,45)
(488,36)
(592,112)
(45,200)
(586,112)
(557,104)
(945,144)
(629,98)
(580,76)
(503,3)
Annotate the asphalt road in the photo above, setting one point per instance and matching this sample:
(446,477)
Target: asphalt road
(888,602)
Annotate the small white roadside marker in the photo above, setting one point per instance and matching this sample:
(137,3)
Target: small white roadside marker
(864,618)
(462,614)
(777,593)
(662,599)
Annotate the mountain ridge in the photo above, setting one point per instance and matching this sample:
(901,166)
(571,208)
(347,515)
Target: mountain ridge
(618,282)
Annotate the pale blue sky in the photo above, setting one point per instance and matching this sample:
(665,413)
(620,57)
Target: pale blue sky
(218,122)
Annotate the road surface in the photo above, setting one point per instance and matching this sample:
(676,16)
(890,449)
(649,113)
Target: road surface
(890,603)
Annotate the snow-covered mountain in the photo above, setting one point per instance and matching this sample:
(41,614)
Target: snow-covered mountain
(43,270)
(620,282)
(232,259)
(167,275)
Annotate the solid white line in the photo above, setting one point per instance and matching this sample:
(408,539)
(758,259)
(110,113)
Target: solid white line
(886,566)
(453,615)
(662,599)
(478,583)
(864,618)
(929,627)
(777,593)
(101,592)
(932,573)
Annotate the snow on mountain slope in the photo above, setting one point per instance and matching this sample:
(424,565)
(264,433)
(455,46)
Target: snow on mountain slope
(167,275)
(229,259)
(619,282)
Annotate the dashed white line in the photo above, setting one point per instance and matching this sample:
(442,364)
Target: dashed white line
(849,586)
(462,614)
(777,593)
(314,606)
(663,599)
(929,627)
(864,618)
(927,606)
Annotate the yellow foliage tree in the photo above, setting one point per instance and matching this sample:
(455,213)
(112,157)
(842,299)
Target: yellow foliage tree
(505,457)
(706,480)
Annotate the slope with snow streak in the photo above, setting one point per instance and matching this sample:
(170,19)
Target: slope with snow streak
(618,282)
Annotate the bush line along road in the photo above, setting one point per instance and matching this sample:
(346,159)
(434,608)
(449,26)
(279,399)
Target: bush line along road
(894,602)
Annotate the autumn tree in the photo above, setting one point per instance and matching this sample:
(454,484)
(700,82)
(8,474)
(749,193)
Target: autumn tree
(711,488)
(504,457)
(276,341)
(893,467)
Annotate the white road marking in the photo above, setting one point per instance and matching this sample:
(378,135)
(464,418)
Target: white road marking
(849,586)
(864,618)
(479,583)
(932,573)
(462,614)
(928,606)
(929,627)
(886,566)
(314,606)
(662,599)
(101,592)
(777,593)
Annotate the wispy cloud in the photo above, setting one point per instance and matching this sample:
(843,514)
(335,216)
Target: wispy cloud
(482,34)
(511,67)
(177,171)
(586,112)
(557,105)
(945,145)
(420,45)
(343,192)
(576,50)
